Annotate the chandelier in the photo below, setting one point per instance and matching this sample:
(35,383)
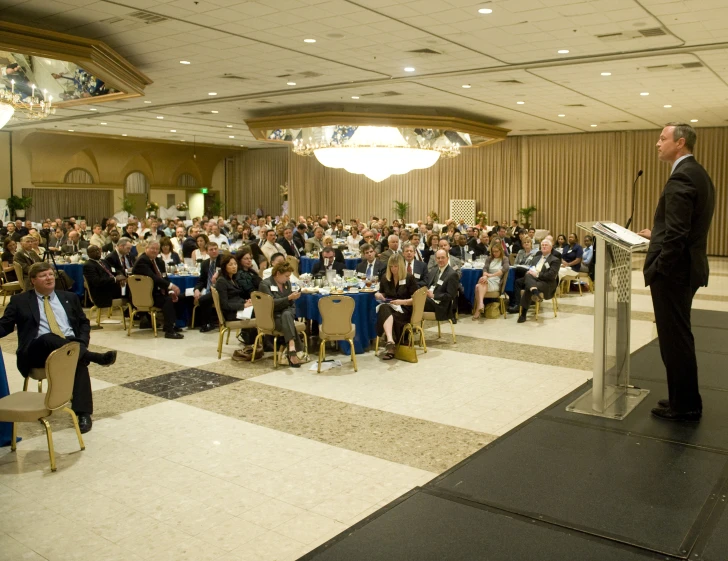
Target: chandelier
(377,152)
(32,106)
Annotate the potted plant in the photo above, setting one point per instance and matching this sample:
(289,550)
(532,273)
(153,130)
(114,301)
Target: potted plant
(182,209)
(434,217)
(127,206)
(216,207)
(401,209)
(526,213)
(18,205)
(482,218)
(152,208)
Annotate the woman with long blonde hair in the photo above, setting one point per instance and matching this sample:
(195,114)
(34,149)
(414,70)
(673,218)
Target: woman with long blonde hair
(396,287)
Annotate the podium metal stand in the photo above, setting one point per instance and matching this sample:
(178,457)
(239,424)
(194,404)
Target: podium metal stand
(611,394)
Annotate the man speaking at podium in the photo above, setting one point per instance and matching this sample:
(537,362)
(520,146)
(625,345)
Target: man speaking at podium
(676,265)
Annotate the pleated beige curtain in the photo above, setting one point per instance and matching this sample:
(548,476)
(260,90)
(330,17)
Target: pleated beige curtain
(78,175)
(94,204)
(186,180)
(569,178)
(137,183)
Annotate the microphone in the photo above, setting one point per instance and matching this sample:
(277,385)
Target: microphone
(634,193)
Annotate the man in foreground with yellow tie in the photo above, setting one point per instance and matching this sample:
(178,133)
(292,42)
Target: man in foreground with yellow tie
(48,319)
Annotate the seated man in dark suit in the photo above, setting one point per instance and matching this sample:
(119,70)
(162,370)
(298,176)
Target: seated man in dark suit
(103,285)
(539,282)
(74,244)
(25,257)
(289,243)
(370,265)
(417,269)
(327,262)
(443,282)
(165,294)
(120,260)
(113,238)
(393,247)
(48,319)
(203,294)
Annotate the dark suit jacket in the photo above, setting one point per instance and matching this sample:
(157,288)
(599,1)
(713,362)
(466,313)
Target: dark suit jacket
(549,275)
(207,266)
(318,267)
(114,263)
(419,272)
(446,293)
(103,288)
(379,267)
(25,259)
(23,311)
(288,246)
(188,246)
(173,257)
(456,252)
(300,241)
(143,266)
(680,232)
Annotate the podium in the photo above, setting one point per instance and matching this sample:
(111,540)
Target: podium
(611,395)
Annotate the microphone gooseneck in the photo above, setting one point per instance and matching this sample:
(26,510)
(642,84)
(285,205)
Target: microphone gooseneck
(634,194)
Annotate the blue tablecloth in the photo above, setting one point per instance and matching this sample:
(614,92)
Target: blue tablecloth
(307,264)
(75,271)
(365,318)
(6,429)
(470,278)
(184,309)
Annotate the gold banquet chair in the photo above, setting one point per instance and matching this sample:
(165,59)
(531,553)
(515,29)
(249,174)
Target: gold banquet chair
(293,261)
(336,313)
(537,306)
(500,295)
(265,323)
(430,316)
(416,321)
(9,288)
(22,281)
(227,326)
(141,288)
(120,303)
(27,407)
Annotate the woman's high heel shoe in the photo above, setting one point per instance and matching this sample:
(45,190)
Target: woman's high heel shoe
(290,354)
(476,314)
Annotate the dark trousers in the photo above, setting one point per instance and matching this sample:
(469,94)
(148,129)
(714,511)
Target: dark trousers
(165,304)
(38,351)
(205,309)
(526,283)
(672,303)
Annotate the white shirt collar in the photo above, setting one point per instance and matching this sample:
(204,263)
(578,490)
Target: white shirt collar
(680,159)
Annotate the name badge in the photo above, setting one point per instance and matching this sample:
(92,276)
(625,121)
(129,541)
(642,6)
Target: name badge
(454,267)
(402,282)
(471,252)
(417,275)
(547,266)
(274,289)
(439,283)
(113,269)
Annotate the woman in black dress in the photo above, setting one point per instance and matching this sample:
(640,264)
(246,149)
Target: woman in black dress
(397,287)
(247,280)
(9,248)
(231,301)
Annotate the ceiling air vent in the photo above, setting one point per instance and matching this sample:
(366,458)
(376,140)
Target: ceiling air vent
(305,74)
(615,37)
(652,32)
(233,77)
(508,82)
(692,65)
(425,52)
(139,16)
(380,94)
(575,105)
(263,101)
(681,66)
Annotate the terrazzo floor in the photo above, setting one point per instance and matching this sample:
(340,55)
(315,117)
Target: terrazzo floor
(195,458)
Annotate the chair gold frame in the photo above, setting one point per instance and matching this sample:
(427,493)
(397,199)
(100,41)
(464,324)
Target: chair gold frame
(141,288)
(227,326)
(336,313)
(121,303)
(8,288)
(265,324)
(416,323)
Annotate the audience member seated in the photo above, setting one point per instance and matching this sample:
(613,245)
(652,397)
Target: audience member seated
(73,244)
(167,252)
(103,285)
(284,308)
(120,259)
(189,245)
(354,240)
(495,271)
(26,257)
(97,238)
(396,288)
(338,232)
(444,282)
(327,261)
(47,319)
(231,300)
(371,239)
(55,244)
(572,256)
(560,245)
(479,245)
(505,241)
(432,245)
(200,254)
(454,262)
(300,236)
(315,243)
(290,244)
(338,254)
(217,236)
(9,249)
(274,260)
(114,237)
(527,257)
(541,279)
(588,255)
(165,294)
(392,248)
(417,269)
(460,249)
(370,266)
(203,297)
(247,281)
(270,245)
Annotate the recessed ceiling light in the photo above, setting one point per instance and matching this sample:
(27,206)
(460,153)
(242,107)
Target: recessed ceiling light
(593,125)
(242,146)
(229,126)
(290,83)
(667,106)
(309,40)
(93,109)
(644,93)
(147,102)
(214,111)
(160,117)
(70,130)
(693,120)
(173,130)
(103,123)
(467,86)
(184,62)
(212,93)
(123,134)
(606,73)
(183,140)
(485,11)
(562,115)
(409,69)
(520,102)
(563,51)
(354,97)
(231,136)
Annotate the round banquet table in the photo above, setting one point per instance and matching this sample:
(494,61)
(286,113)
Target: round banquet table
(365,318)
(75,271)
(6,429)
(307,264)
(470,278)
(185,308)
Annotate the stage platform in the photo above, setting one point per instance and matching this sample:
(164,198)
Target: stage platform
(569,486)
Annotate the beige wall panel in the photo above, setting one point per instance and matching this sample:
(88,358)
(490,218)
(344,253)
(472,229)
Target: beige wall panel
(257,177)
(5,165)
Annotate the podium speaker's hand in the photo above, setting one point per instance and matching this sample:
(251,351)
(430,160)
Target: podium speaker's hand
(645,233)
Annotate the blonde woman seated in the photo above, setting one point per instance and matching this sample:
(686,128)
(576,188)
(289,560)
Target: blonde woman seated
(495,271)
(395,287)
(328,241)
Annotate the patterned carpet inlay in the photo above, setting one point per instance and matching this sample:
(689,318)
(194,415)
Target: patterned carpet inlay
(181,383)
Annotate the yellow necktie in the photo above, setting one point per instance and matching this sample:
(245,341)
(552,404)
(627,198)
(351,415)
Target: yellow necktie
(51,317)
